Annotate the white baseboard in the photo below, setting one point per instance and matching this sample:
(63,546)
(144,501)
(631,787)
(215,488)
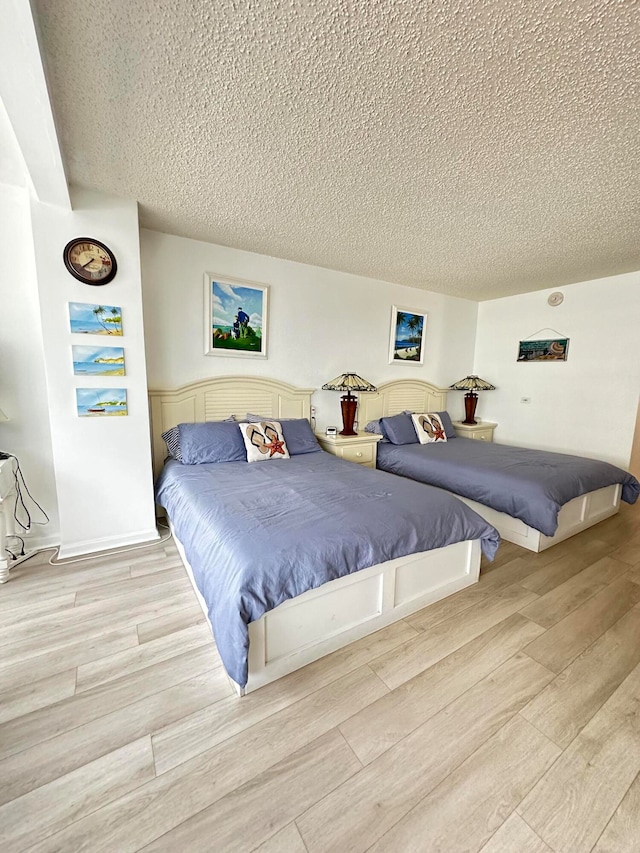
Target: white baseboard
(106,543)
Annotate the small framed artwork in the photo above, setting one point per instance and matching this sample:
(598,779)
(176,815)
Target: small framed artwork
(235,321)
(101,402)
(408,336)
(87,319)
(98,361)
(544,350)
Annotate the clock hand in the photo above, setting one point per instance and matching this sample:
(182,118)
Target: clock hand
(90,261)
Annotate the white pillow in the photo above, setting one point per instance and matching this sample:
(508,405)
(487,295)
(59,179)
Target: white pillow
(263,441)
(429,428)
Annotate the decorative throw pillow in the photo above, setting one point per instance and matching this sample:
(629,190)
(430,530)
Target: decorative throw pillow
(297,432)
(429,428)
(263,441)
(172,440)
(445,417)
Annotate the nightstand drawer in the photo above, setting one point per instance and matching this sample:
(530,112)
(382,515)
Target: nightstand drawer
(480,431)
(360,448)
(482,435)
(363,454)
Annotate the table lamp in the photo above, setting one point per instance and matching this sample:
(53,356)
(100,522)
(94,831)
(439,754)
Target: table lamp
(348,382)
(471,384)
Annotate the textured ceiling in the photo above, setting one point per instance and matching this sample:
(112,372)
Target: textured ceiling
(473,147)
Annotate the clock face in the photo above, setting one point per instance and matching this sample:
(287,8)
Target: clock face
(90,261)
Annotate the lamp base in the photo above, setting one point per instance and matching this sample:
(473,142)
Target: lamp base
(470,403)
(349,405)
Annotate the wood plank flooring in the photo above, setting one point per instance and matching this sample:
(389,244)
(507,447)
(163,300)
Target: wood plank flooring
(504,719)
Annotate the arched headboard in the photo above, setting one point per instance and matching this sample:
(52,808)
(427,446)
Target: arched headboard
(216,399)
(394,397)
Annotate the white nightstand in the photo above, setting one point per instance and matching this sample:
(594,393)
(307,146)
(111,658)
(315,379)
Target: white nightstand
(360,448)
(482,431)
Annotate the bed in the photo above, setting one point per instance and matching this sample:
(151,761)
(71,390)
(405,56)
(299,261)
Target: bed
(534,498)
(264,543)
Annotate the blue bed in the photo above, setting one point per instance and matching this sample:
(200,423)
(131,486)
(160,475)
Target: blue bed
(257,535)
(530,485)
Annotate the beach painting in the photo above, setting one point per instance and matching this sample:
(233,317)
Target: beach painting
(235,317)
(88,319)
(98,361)
(544,350)
(407,338)
(101,402)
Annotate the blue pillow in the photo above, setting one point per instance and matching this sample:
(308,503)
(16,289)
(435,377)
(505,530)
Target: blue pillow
(297,433)
(215,441)
(399,429)
(374,427)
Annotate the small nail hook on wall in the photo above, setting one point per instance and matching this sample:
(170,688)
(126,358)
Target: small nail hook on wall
(555,299)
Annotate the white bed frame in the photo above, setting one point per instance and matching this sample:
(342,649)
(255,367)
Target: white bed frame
(576,515)
(322,620)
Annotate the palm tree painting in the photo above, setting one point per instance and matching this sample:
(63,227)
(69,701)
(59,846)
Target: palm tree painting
(87,319)
(408,332)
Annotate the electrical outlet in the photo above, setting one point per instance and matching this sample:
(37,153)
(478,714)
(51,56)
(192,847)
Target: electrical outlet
(525,399)
(313,411)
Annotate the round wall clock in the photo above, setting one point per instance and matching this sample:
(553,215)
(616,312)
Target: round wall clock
(90,261)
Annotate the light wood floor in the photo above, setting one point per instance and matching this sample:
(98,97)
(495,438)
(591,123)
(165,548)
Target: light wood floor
(503,719)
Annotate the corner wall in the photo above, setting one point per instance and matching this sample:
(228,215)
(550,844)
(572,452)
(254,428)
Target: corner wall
(586,405)
(23,388)
(102,465)
(321,322)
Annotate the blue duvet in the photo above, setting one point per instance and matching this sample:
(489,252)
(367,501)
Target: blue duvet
(258,534)
(531,485)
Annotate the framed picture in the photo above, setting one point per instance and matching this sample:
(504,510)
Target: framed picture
(408,336)
(87,319)
(98,361)
(235,317)
(546,350)
(101,402)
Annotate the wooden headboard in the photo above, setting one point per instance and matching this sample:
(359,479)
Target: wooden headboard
(216,399)
(394,397)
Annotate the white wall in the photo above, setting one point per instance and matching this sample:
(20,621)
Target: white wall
(102,465)
(586,405)
(321,322)
(23,394)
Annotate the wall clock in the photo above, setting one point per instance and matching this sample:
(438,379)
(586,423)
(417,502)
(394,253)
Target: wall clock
(90,261)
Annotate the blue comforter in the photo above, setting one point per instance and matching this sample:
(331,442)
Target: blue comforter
(258,534)
(531,485)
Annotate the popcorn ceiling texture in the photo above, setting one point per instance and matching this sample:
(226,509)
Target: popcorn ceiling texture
(474,147)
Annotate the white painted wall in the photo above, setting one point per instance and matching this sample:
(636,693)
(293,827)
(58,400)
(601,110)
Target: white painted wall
(586,405)
(102,465)
(23,393)
(321,322)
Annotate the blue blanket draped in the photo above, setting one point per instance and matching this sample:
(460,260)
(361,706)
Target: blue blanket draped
(531,485)
(258,534)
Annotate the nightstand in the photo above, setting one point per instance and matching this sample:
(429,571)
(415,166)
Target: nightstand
(482,431)
(360,448)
